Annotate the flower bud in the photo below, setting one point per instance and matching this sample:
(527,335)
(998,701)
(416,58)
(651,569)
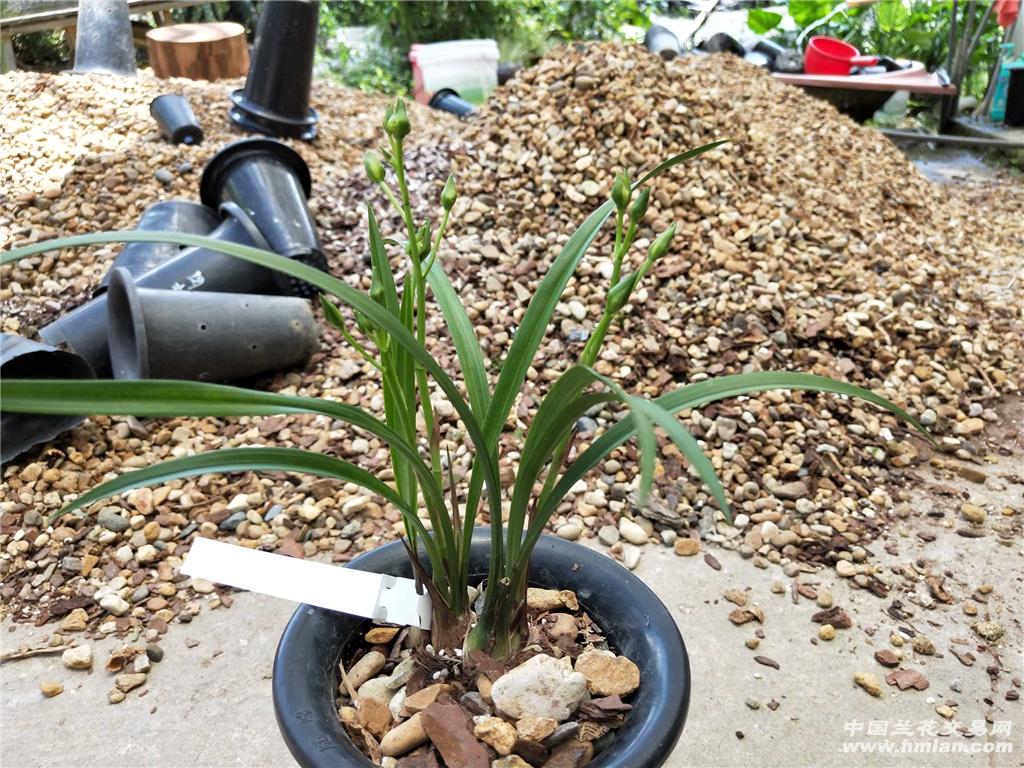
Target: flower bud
(621,191)
(636,213)
(660,245)
(374,167)
(620,292)
(448,194)
(397,123)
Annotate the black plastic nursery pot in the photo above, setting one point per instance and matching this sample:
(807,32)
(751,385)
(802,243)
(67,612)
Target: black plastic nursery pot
(202,335)
(103,41)
(270,182)
(275,99)
(183,216)
(637,625)
(84,329)
(176,119)
(448,100)
(21,358)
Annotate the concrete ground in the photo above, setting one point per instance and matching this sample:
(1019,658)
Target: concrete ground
(210,704)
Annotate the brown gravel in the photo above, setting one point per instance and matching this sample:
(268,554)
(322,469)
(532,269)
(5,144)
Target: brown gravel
(808,244)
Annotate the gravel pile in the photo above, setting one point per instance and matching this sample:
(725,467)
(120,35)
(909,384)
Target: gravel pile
(808,244)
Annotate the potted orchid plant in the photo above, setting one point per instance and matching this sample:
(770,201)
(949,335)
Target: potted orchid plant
(483,625)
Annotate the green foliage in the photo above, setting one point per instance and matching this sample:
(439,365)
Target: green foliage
(387,327)
(761,21)
(524,30)
(41,50)
(891,16)
(806,12)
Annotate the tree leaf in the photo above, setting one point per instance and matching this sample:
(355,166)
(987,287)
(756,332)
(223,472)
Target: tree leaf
(804,12)
(761,21)
(891,15)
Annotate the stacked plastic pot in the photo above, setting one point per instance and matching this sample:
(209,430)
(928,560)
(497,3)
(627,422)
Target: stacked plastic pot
(172,312)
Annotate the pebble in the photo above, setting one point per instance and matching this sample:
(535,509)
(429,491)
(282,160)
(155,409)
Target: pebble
(112,519)
(51,689)
(632,532)
(631,556)
(404,737)
(607,674)
(687,547)
(608,535)
(539,687)
(79,657)
(130,681)
(535,728)
(989,630)
(368,666)
(569,531)
(115,605)
(973,513)
(496,733)
(164,176)
(868,682)
(827,632)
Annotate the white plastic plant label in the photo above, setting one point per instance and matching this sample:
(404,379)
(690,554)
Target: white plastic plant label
(360,593)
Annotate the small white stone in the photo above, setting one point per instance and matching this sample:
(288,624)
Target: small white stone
(632,532)
(79,657)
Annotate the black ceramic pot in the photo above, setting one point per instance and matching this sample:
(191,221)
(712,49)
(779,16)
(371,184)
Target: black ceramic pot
(635,621)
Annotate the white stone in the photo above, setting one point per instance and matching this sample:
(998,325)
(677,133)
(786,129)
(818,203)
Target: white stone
(123,555)
(115,605)
(79,657)
(632,532)
(540,687)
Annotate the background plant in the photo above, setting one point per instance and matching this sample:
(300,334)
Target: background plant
(387,327)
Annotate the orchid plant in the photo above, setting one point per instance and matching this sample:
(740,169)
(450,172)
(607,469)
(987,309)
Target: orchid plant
(389,333)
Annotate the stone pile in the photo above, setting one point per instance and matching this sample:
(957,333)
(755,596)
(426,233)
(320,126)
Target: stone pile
(808,243)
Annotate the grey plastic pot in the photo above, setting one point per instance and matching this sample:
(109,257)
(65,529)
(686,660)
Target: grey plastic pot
(84,329)
(176,119)
(275,100)
(21,358)
(662,42)
(166,216)
(270,182)
(636,622)
(103,42)
(202,336)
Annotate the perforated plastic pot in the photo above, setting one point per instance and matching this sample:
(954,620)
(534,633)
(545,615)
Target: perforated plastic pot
(637,624)
(275,100)
(21,358)
(270,182)
(84,329)
(204,336)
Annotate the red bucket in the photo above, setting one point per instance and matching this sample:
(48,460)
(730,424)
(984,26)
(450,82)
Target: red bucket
(828,56)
